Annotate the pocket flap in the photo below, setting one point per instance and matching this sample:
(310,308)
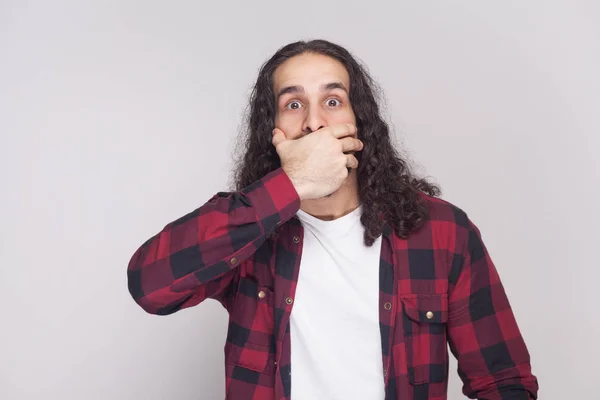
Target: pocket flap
(426,308)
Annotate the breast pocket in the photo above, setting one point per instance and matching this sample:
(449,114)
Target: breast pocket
(425,318)
(250,340)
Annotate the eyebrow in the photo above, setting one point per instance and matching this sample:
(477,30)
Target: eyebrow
(299,89)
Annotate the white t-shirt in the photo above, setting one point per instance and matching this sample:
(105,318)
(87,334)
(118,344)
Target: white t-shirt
(335,336)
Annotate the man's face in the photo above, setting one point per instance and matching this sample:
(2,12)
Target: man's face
(311,92)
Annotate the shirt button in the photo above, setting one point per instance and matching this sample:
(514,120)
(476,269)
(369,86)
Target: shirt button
(296,239)
(387,306)
(261,295)
(289,300)
(429,315)
(233,261)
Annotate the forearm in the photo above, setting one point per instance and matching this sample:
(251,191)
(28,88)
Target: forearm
(195,257)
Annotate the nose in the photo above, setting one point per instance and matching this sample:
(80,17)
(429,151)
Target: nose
(314,120)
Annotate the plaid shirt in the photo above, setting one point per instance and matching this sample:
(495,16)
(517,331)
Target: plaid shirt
(438,287)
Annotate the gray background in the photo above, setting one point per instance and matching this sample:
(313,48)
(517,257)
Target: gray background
(119,116)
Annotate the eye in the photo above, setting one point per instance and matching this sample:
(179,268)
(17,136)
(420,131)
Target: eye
(294,105)
(333,103)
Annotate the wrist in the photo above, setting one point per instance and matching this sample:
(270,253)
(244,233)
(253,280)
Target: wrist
(298,184)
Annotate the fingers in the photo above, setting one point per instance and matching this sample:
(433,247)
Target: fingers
(343,130)
(351,161)
(351,144)
(278,137)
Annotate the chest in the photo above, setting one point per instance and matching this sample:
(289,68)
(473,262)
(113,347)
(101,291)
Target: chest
(293,258)
(338,283)
(409,288)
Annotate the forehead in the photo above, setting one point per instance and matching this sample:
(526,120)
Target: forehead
(310,71)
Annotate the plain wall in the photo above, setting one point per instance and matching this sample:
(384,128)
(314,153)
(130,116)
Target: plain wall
(117,117)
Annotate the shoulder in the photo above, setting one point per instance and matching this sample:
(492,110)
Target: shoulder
(440,210)
(446,223)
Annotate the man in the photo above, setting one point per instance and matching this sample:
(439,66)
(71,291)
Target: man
(344,276)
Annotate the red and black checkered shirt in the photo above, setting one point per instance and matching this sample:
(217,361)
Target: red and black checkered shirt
(437,287)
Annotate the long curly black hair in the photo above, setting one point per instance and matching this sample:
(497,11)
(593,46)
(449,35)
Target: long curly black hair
(388,190)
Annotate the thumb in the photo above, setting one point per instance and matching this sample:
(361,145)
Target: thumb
(278,137)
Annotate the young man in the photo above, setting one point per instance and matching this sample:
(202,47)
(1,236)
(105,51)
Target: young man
(344,275)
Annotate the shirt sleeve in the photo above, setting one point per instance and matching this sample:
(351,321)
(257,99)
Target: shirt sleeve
(493,360)
(196,256)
